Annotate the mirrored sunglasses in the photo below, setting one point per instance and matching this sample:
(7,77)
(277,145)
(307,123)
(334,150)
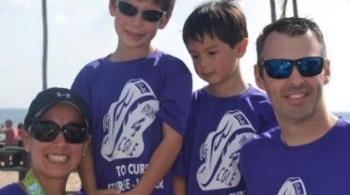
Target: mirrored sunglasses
(46,131)
(151,15)
(282,68)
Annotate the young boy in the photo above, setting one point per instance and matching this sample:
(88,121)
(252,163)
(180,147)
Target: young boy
(225,113)
(139,99)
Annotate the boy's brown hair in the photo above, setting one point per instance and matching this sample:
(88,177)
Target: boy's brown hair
(220,18)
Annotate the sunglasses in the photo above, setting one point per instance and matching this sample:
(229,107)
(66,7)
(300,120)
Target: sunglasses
(151,15)
(46,131)
(282,68)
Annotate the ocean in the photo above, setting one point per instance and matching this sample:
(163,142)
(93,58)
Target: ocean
(17,115)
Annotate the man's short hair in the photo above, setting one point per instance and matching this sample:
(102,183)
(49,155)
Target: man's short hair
(292,27)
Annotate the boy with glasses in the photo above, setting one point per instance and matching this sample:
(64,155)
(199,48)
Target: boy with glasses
(227,112)
(309,152)
(139,100)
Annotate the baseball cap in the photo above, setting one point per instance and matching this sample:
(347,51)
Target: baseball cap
(47,98)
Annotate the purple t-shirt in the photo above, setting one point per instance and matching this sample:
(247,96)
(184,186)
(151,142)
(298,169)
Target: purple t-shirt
(217,129)
(128,102)
(319,168)
(13,188)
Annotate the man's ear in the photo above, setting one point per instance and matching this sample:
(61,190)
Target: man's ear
(259,77)
(242,47)
(327,71)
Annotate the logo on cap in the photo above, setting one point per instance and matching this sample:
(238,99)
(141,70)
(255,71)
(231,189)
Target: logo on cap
(59,94)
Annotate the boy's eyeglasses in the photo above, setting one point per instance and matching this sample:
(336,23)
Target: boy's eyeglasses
(151,15)
(282,68)
(47,131)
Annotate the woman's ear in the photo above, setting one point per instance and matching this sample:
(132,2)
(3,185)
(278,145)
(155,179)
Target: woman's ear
(27,141)
(86,145)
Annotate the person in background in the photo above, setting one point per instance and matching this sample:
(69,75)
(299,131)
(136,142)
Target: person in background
(56,136)
(139,99)
(11,133)
(227,112)
(2,135)
(308,153)
(21,132)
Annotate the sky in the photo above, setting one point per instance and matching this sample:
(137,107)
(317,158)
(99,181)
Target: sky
(81,31)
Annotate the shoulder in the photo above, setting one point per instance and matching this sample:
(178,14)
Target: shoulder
(89,71)
(93,65)
(13,188)
(259,103)
(171,62)
(342,128)
(197,94)
(257,96)
(257,150)
(200,96)
(263,141)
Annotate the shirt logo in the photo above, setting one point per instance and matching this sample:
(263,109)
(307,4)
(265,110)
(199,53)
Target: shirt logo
(219,153)
(66,95)
(293,186)
(127,119)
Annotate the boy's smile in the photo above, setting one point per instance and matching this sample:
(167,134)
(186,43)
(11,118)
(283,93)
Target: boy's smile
(136,23)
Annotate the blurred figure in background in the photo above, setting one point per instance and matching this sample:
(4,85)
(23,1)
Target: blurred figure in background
(21,132)
(11,133)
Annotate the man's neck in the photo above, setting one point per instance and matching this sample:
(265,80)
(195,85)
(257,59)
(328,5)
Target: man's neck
(295,133)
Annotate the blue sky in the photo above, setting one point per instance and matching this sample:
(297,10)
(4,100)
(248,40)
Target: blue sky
(82,30)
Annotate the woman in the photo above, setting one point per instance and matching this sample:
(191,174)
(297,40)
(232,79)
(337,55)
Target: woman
(56,136)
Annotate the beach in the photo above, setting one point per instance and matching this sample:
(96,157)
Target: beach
(7,177)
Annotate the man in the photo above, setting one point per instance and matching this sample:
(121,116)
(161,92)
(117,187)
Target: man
(11,133)
(309,152)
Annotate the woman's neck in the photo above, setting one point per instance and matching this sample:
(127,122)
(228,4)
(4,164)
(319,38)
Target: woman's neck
(52,186)
(294,133)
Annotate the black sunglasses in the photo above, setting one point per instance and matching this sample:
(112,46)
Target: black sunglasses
(282,68)
(47,131)
(151,15)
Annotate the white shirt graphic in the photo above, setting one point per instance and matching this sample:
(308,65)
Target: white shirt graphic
(293,186)
(127,119)
(220,152)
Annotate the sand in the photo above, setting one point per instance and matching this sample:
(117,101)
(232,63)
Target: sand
(7,177)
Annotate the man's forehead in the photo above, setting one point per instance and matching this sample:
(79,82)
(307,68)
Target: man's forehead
(152,1)
(280,45)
